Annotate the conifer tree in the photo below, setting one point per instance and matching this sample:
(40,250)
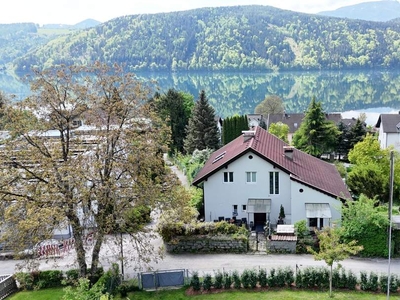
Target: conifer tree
(202,131)
(316,134)
(233,127)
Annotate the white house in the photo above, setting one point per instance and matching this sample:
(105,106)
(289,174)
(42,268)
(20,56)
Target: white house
(388,126)
(252,176)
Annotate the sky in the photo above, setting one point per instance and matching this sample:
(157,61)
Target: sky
(74,11)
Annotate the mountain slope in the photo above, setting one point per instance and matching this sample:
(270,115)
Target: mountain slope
(227,38)
(379,11)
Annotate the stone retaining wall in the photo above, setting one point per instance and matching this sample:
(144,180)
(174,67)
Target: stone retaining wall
(281,246)
(206,244)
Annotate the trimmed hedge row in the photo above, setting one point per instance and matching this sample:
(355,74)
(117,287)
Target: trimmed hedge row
(37,280)
(307,278)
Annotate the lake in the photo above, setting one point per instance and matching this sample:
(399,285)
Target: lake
(349,92)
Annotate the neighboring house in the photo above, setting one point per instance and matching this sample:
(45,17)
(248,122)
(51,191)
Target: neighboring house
(252,176)
(292,120)
(388,127)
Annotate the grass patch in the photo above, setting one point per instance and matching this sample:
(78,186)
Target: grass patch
(57,293)
(45,294)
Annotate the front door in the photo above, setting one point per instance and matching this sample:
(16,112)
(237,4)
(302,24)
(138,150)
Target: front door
(259,221)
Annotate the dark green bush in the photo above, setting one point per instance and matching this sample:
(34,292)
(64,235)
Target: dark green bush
(262,277)
(351,280)
(364,283)
(237,284)
(393,284)
(323,278)
(207,282)
(253,278)
(373,282)
(299,280)
(47,279)
(280,277)
(245,278)
(218,280)
(227,280)
(271,278)
(195,282)
(71,276)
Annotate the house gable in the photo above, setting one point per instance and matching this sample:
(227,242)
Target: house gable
(302,167)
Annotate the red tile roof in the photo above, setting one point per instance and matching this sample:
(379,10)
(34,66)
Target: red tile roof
(303,168)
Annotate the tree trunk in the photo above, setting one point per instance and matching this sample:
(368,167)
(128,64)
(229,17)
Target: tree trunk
(96,255)
(330,283)
(79,247)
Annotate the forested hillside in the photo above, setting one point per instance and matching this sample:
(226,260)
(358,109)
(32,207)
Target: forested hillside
(227,38)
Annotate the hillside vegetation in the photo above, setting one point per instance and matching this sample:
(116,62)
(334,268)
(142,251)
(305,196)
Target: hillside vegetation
(227,38)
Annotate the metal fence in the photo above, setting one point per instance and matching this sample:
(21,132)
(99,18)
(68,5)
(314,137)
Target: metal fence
(7,286)
(162,279)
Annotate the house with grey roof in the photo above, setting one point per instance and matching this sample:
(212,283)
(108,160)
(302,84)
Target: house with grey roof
(388,127)
(252,176)
(292,120)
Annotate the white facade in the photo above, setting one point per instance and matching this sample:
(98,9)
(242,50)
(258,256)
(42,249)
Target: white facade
(387,139)
(221,198)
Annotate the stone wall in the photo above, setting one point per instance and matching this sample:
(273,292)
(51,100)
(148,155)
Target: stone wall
(281,246)
(207,244)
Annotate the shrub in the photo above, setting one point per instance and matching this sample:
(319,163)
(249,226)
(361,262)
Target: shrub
(351,280)
(71,277)
(110,280)
(195,282)
(364,284)
(262,277)
(227,280)
(246,278)
(299,281)
(236,280)
(207,282)
(373,282)
(280,277)
(271,279)
(301,229)
(25,280)
(47,279)
(218,280)
(253,278)
(393,284)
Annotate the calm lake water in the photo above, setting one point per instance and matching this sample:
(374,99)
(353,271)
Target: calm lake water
(349,92)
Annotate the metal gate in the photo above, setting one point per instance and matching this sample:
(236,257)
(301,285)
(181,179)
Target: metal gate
(163,278)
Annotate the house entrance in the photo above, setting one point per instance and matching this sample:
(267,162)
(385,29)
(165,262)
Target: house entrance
(259,221)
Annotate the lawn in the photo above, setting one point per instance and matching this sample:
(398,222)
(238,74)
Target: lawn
(49,294)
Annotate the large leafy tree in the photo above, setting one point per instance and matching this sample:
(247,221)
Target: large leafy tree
(202,131)
(92,179)
(175,107)
(365,221)
(280,130)
(272,104)
(369,174)
(316,134)
(332,249)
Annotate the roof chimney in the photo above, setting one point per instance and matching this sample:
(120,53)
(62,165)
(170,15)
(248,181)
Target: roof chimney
(248,134)
(288,152)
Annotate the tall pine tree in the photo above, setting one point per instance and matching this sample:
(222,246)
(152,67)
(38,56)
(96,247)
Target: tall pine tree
(316,134)
(202,131)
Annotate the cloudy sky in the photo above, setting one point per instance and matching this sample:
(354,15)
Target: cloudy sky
(75,11)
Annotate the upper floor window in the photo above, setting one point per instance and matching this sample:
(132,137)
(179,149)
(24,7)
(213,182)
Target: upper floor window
(228,176)
(251,177)
(274,183)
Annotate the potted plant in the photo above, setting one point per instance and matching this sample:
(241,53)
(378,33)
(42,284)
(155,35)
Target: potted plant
(281,215)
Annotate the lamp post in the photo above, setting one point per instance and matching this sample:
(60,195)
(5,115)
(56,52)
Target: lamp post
(120,222)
